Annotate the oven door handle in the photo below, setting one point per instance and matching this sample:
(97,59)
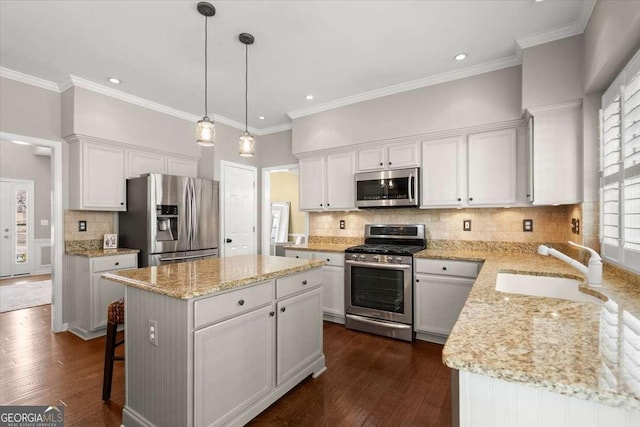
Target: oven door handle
(377,322)
(376,265)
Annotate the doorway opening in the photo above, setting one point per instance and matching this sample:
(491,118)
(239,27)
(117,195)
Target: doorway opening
(282,221)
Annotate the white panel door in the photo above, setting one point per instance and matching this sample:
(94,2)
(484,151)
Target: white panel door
(333,290)
(103,178)
(443,168)
(403,155)
(371,159)
(492,168)
(6,227)
(439,301)
(341,168)
(240,209)
(140,162)
(312,183)
(182,167)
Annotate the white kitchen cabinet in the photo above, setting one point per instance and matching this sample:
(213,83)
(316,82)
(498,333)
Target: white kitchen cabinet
(492,158)
(299,336)
(312,183)
(142,162)
(289,253)
(96,177)
(340,187)
(90,294)
(327,182)
(389,156)
(182,167)
(555,156)
(441,290)
(234,365)
(443,172)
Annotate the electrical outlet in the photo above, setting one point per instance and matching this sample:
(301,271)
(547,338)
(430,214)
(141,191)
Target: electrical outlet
(466,225)
(575,225)
(153,332)
(527,225)
(342,225)
(82,225)
(44,222)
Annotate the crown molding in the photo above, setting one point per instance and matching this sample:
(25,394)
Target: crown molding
(76,138)
(28,79)
(585,13)
(274,129)
(448,76)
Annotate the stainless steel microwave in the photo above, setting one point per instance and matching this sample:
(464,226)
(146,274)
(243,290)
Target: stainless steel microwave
(387,188)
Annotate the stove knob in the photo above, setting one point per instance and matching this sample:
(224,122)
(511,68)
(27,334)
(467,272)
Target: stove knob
(376,258)
(354,257)
(398,259)
(362,257)
(389,259)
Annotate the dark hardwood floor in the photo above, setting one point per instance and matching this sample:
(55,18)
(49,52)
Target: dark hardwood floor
(370,380)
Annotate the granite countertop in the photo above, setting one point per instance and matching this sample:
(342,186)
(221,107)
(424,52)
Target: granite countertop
(96,253)
(320,247)
(196,278)
(585,350)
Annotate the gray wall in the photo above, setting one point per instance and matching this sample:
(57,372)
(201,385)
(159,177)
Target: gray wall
(29,110)
(19,162)
(611,38)
(552,72)
(486,98)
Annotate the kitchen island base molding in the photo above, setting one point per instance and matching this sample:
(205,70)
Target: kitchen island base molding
(486,401)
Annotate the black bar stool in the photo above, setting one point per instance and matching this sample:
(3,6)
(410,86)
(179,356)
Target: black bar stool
(115,317)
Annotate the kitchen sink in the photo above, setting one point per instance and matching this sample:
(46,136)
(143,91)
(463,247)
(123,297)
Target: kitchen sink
(543,286)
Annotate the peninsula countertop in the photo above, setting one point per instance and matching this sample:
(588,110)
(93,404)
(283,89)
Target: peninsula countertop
(206,277)
(584,350)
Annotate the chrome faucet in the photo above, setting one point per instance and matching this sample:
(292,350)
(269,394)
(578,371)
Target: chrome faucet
(594,269)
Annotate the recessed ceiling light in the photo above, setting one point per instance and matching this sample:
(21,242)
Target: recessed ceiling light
(20,142)
(460,56)
(261,117)
(538,1)
(114,80)
(309,97)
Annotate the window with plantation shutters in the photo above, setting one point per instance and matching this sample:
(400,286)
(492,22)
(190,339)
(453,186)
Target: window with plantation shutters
(620,168)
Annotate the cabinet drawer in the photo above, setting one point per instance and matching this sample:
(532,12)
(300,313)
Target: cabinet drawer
(332,258)
(115,262)
(298,282)
(213,309)
(447,267)
(298,254)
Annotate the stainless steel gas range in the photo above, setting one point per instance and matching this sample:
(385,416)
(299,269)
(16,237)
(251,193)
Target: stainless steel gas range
(379,279)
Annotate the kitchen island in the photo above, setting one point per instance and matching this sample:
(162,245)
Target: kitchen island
(215,342)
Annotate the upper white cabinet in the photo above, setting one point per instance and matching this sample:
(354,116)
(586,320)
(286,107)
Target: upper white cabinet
(327,182)
(555,156)
(492,168)
(182,167)
(141,162)
(391,156)
(96,177)
(443,171)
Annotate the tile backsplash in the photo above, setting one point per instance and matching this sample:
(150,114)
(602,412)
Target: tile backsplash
(551,224)
(98,224)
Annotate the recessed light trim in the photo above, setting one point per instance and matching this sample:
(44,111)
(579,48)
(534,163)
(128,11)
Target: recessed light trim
(460,56)
(261,117)
(309,97)
(114,80)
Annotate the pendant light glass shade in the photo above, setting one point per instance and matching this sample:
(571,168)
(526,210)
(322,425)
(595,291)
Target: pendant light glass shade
(247,144)
(206,132)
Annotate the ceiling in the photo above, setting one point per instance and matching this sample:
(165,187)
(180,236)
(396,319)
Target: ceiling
(331,49)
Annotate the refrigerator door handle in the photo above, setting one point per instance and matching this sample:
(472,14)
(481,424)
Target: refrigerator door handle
(194,214)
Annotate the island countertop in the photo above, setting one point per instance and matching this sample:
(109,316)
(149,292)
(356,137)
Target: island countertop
(205,277)
(584,350)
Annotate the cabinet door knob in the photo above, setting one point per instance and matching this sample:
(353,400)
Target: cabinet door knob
(328,204)
(297,256)
(459,199)
(241,302)
(389,162)
(304,282)
(272,313)
(117,263)
(283,309)
(380,163)
(121,203)
(228,240)
(320,204)
(417,280)
(328,260)
(471,199)
(444,268)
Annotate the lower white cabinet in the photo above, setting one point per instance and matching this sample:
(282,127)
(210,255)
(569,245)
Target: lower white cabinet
(441,290)
(299,333)
(90,294)
(234,365)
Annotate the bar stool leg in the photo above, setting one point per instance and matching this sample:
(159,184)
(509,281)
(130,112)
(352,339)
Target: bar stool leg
(109,357)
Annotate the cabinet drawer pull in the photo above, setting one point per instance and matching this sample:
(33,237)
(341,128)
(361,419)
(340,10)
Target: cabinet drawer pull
(272,313)
(417,280)
(117,263)
(380,163)
(283,309)
(444,268)
(304,282)
(328,259)
(241,302)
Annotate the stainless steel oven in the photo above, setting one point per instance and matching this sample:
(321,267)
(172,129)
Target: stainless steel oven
(387,188)
(379,280)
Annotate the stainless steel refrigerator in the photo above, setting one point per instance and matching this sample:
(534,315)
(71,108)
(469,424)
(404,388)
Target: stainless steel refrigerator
(170,219)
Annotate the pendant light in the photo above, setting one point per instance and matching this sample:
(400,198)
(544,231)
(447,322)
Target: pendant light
(247,141)
(205,129)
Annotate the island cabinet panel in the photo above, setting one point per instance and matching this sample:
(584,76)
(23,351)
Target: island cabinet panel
(299,333)
(234,366)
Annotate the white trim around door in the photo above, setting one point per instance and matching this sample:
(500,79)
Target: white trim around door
(57,224)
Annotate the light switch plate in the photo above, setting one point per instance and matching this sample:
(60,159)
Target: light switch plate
(527,225)
(466,225)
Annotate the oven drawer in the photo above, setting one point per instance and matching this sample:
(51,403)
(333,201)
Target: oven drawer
(298,282)
(447,267)
(331,258)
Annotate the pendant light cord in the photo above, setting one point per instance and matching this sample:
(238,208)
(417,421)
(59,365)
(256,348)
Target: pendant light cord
(246,87)
(206,37)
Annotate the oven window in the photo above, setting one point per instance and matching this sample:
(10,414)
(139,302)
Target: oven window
(378,289)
